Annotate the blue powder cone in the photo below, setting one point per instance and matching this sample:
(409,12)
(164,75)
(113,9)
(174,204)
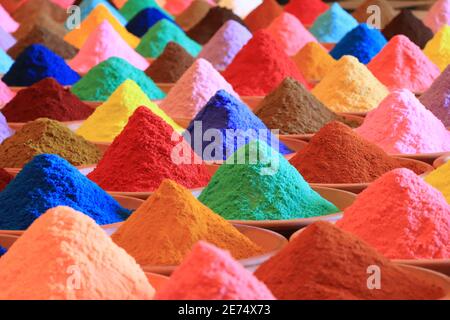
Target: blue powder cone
(362,42)
(87,6)
(332,25)
(146,19)
(48,181)
(223,111)
(37,62)
(5,62)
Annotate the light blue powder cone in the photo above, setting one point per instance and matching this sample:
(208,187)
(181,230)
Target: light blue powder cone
(87,6)
(5,62)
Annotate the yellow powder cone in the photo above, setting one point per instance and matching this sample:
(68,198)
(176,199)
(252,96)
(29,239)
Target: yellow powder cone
(440,179)
(77,37)
(350,87)
(438,48)
(313,61)
(110,118)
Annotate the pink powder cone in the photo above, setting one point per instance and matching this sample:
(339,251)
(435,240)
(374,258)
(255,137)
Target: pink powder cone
(6,94)
(438,16)
(7,22)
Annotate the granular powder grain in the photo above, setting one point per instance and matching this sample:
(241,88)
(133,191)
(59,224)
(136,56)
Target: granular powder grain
(438,15)
(209,273)
(6,94)
(169,223)
(313,61)
(386,11)
(146,19)
(40,20)
(7,23)
(6,40)
(44,7)
(5,62)
(176,7)
(438,48)
(263,15)
(5,178)
(440,179)
(415,224)
(132,7)
(306,10)
(87,6)
(5,130)
(193,14)
(324,262)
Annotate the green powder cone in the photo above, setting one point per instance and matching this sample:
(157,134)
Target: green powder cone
(266,187)
(102,80)
(157,37)
(133,7)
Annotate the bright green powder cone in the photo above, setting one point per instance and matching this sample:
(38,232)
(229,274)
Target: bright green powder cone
(133,7)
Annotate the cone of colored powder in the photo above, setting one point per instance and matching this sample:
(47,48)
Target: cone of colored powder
(193,14)
(5,130)
(314,62)
(209,273)
(50,100)
(5,178)
(6,40)
(40,20)
(103,79)
(221,49)
(438,48)
(65,3)
(336,154)
(6,94)
(5,62)
(211,23)
(77,37)
(415,224)
(7,23)
(48,181)
(402,65)
(263,15)
(41,35)
(46,136)
(236,124)
(402,125)
(306,10)
(36,63)
(440,179)
(103,43)
(408,24)
(350,87)
(361,42)
(260,66)
(176,7)
(240,8)
(197,85)
(66,242)
(170,65)
(437,97)
(133,7)
(364,13)
(438,16)
(87,6)
(45,7)
(301,270)
(332,25)
(290,33)
(166,227)
(146,19)
(157,37)
(246,187)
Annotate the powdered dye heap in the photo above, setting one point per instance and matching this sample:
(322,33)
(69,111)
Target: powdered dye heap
(87,6)
(48,181)
(209,273)
(29,9)
(6,40)
(401,124)
(438,16)
(5,130)
(132,7)
(6,94)
(7,23)
(50,100)
(146,19)
(314,62)
(176,6)
(59,240)
(440,179)
(193,14)
(306,10)
(438,48)
(364,14)
(263,15)
(415,224)
(250,191)
(5,178)
(437,97)
(5,62)
(241,8)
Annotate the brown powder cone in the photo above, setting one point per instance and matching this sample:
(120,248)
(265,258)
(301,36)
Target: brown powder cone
(193,14)
(39,19)
(387,12)
(46,7)
(263,15)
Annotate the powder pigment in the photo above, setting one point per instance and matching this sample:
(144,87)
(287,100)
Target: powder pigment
(132,7)
(240,8)
(6,40)
(6,94)
(193,14)
(5,178)
(44,7)
(7,23)
(5,130)
(438,48)
(87,6)
(40,20)
(5,62)
(439,179)
(363,14)
(146,19)
(438,16)
(313,61)
(263,15)
(306,10)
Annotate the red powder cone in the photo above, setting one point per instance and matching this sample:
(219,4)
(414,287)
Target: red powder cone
(306,10)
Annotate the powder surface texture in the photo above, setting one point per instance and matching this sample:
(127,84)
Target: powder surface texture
(103,43)
(237,126)
(133,7)
(240,8)
(36,63)
(415,224)
(402,65)
(2,251)
(46,136)
(402,125)
(197,85)
(143,155)
(193,14)
(176,7)
(166,227)
(440,179)
(5,62)
(301,270)
(58,241)
(44,7)
(437,97)
(263,15)
(306,10)
(225,44)
(103,79)
(313,61)
(7,23)
(350,87)
(157,37)
(211,23)
(5,130)
(438,48)
(387,12)
(209,273)
(41,35)
(336,154)
(260,66)
(332,25)
(50,100)
(110,118)
(5,178)
(87,6)
(77,37)
(6,94)
(48,181)
(408,24)
(6,40)
(264,187)
(290,33)
(438,15)
(146,19)
(361,42)
(170,65)
(40,20)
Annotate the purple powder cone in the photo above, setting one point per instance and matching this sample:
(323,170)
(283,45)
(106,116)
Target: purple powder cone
(5,130)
